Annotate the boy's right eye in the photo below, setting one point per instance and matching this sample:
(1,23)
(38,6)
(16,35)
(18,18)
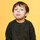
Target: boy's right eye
(15,9)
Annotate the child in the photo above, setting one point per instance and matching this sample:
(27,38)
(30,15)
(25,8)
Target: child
(20,28)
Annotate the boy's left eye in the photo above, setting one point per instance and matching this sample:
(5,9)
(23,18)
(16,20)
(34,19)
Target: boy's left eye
(22,9)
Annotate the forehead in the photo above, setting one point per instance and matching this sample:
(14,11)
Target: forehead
(21,6)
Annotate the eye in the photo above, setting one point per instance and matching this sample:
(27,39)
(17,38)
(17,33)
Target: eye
(21,9)
(16,9)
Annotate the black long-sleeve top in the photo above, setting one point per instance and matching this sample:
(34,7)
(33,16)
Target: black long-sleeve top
(20,31)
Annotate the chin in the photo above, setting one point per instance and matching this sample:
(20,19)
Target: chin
(19,18)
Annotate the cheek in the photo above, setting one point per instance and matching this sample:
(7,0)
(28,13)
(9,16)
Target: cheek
(22,13)
(15,13)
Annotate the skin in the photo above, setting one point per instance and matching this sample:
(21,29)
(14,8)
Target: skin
(22,13)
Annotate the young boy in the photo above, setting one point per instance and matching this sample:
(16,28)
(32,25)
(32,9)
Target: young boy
(20,28)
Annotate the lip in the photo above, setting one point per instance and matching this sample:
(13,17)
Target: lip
(18,14)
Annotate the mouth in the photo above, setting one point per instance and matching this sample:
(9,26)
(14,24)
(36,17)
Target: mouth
(18,14)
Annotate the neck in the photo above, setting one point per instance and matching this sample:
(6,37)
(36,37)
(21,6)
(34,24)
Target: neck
(20,21)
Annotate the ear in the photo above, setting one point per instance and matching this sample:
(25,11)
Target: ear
(26,14)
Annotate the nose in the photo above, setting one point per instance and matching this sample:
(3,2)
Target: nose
(18,11)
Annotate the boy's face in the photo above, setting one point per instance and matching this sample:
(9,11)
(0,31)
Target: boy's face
(19,12)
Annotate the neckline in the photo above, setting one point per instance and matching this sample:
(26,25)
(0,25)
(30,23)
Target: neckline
(20,23)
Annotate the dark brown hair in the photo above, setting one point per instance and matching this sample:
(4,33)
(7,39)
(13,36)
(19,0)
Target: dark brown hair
(21,3)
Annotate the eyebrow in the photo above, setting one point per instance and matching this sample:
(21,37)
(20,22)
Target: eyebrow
(17,7)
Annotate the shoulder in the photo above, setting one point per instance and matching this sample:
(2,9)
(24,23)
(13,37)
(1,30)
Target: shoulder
(11,22)
(28,22)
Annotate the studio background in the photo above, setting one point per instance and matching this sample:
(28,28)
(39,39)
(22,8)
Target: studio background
(6,15)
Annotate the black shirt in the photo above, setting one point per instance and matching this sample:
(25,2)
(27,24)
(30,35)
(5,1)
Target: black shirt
(20,31)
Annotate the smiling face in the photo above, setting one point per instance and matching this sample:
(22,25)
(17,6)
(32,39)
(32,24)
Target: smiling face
(19,12)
